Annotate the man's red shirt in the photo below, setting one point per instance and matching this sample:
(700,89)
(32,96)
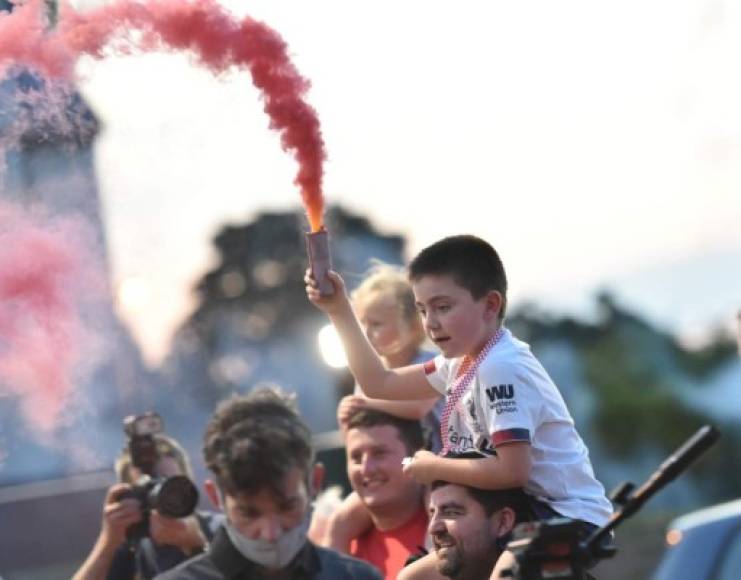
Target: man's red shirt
(388,550)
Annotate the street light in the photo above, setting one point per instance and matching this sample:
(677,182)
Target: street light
(330,347)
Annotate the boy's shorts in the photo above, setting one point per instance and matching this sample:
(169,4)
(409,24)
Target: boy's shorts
(536,511)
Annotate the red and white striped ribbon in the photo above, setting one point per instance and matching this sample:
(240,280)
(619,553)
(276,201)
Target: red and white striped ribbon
(466,372)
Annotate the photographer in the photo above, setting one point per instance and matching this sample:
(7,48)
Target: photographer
(118,554)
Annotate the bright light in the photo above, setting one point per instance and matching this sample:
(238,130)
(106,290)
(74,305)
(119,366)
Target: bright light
(331,347)
(133,293)
(673,537)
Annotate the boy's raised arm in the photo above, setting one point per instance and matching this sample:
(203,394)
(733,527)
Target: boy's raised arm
(375,380)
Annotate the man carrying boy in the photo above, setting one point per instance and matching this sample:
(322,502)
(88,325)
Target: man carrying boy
(376,444)
(470,528)
(499,399)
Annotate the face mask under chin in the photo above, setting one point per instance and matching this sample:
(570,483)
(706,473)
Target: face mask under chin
(271,555)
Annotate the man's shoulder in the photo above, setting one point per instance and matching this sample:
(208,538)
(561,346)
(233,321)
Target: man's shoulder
(340,566)
(197,568)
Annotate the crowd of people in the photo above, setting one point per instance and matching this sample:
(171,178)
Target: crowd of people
(446,453)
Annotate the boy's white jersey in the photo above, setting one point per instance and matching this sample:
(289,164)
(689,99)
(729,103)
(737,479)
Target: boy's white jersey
(512,398)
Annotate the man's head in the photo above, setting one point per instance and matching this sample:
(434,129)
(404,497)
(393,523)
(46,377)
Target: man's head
(460,289)
(470,527)
(262,458)
(376,443)
(171,460)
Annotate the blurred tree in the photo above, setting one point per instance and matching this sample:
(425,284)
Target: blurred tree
(253,322)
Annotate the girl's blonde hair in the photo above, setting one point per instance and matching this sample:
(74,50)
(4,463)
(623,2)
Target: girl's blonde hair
(387,280)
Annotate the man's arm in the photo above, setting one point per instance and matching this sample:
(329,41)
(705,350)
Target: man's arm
(375,380)
(509,468)
(118,515)
(98,563)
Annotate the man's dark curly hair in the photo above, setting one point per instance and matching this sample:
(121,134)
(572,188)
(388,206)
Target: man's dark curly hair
(254,440)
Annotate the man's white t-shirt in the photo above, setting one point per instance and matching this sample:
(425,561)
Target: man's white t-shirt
(512,398)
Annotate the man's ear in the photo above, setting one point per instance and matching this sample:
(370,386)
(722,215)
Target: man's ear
(506,521)
(317,478)
(213,494)
(494,303)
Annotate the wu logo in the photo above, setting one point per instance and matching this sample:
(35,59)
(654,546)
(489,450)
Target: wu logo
(498,392)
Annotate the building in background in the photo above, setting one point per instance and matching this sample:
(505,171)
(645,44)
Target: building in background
(46,149)
(47,137)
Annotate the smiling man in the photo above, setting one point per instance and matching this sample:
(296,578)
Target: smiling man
(376,443)
(470,528)
(260,453)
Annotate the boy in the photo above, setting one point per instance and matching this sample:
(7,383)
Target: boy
(499,399)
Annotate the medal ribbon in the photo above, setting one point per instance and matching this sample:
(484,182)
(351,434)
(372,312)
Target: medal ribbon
(465,375)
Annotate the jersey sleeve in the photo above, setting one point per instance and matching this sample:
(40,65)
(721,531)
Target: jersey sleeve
(508,404)
(437,371)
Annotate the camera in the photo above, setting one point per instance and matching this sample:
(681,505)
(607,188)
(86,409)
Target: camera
(173,497)
(141,431)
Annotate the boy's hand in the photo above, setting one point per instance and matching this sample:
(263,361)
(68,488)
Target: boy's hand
(333,304)
(348,407)
(422,467)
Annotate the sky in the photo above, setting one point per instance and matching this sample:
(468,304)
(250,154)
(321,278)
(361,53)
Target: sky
(595,144)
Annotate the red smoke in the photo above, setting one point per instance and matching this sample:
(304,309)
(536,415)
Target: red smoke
(199,26)
(44,270)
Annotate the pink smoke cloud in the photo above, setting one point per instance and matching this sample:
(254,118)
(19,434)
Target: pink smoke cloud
(201,27)
(46,275)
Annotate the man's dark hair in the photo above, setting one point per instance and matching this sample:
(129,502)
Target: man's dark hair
(470,261)
(410,432)
(254,440)
(491,500)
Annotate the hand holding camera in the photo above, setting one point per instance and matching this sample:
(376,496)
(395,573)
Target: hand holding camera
(183,533)
(120,511)
(173,496)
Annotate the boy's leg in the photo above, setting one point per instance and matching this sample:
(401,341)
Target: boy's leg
(423,569)
(505,563)
(350,521)
(426,568)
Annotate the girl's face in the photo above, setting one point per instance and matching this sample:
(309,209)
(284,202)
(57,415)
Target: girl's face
(381,319)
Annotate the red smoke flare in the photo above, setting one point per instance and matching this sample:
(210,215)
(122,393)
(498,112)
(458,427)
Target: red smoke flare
(44,269)
(199,26)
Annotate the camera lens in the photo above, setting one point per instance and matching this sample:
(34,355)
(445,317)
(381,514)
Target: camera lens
(174,497)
